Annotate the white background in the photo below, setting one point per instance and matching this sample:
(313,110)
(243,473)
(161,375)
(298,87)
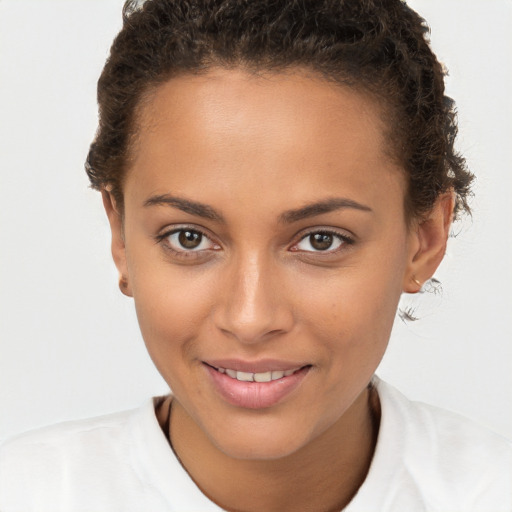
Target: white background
(69,342)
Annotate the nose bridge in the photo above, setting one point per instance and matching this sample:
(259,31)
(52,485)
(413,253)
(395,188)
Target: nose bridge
(253,308)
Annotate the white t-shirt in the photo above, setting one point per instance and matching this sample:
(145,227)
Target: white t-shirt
(426,459)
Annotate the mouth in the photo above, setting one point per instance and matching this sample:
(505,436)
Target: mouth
(269,384)
(267,376)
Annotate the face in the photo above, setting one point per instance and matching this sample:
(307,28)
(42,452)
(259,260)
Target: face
(266,249)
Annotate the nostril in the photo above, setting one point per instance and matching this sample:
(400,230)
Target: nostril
(275,332)
(252,311)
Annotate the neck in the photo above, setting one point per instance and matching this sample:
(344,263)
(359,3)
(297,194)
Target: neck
(322,476)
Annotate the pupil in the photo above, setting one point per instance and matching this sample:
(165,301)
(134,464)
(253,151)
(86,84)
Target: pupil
(321,241)
(190,239)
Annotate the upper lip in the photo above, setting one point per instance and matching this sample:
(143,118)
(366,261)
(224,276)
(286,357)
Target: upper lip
(260,366)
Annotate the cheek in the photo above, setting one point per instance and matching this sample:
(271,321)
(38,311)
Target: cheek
(352,313)
(172,305)
(353,302)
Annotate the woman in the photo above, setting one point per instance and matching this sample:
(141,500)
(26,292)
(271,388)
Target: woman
(275,175)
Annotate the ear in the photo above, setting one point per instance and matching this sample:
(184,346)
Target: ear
(428,243)
(115,220)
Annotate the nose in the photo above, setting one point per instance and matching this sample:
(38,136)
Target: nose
(253,306)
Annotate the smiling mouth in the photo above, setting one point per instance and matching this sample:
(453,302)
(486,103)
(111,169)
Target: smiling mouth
(255,390)
(260,377)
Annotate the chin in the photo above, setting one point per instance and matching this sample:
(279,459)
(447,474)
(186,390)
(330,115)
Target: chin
(259,448)
(261,442)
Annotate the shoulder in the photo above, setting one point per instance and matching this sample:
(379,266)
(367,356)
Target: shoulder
(448,461)
(35,466)
(444,436)
(59,438)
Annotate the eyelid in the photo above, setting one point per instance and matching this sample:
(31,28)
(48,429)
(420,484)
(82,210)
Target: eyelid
(346,238)
(166,232)
(174,228)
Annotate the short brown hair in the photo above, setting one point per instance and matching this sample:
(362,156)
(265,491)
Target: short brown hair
(378,46)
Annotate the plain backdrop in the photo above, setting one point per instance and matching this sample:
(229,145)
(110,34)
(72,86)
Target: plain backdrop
(69,341)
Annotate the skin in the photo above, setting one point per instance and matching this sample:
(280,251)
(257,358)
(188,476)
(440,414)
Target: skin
(252,148)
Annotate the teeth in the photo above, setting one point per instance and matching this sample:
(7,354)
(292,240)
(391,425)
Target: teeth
(257,377)
(263,377)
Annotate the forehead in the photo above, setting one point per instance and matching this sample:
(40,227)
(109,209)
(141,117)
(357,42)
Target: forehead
(224,99)
(268,131)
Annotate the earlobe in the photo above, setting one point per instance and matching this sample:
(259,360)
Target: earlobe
(428,243)
(115,220)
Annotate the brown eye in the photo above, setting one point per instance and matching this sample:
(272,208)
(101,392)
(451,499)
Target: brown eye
(189,239)
(321,241)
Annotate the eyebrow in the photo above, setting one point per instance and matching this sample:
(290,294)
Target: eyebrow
(185,205)
(320,207)
(207,212)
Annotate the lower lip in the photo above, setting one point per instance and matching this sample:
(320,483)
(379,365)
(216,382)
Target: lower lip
(255,395)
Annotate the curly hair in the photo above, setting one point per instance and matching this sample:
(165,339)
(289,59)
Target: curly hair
(380,47)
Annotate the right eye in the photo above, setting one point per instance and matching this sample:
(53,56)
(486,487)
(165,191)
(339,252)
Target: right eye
(185,240)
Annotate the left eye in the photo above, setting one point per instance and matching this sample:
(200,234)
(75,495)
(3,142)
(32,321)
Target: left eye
(321,241)
(189,240)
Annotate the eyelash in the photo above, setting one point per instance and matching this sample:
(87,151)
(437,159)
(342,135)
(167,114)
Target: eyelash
(163,239)
(343,238)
